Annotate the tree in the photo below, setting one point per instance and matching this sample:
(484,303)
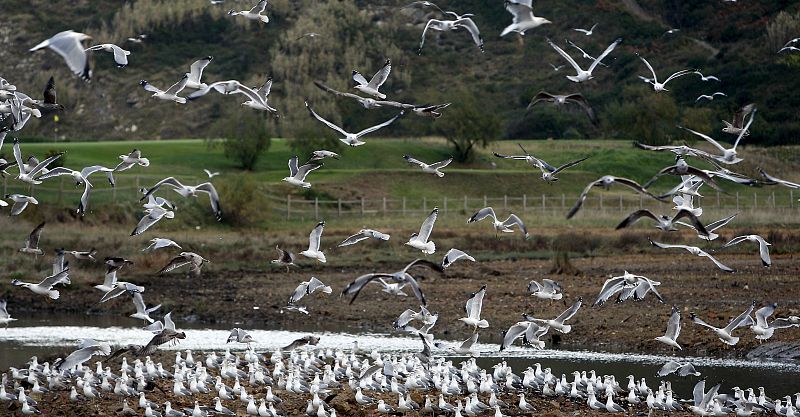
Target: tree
(467,124)
(643,115)
(246,136)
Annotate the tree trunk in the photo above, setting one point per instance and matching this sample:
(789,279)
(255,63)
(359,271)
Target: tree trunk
(562,265)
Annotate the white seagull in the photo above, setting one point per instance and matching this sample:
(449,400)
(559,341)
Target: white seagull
(256,13)
(151,217)
(131,159)
(420,240)
(761,327)
(729,156)
(307,288)
(581,74)
(46,286)
(29,176)
(726,334)
(558,322)
(297,174)
(587,32)
(171,94)
(5,318)
(473,307)
(314,238)
(432,168)
(706,77)
(68,45)
(364,234)
(189,191)
(371,87)
(547,290)
(196,73)
(451,25)
(524,19)
(454,255)
(32,241)
(710,97)
(352,139)
(504,226)
(763,246)
(20,203)
(694,250)
(142,312)
(673,330)
(657,86)
(120,55)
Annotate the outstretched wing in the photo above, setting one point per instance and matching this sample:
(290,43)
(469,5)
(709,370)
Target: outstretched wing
(379,126)
(380,77)
(197,67)
(427,226)
(327,123)
(482,214)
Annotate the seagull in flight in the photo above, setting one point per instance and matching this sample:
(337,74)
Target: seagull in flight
(726,334)
(285,258)
(157,243)
(451,25)
(710,228)
(658,86)
(364,234)
(400,277)
(142,312)
(547,290)
(371,87)
(729,156)
(30,176)
(583,75)
(473,307)
(189,191)
(763,246)
(45,287)
(352,139)
(504,226)
(587,32)
(558,322)
(297,174)
(365,102)
(5,318)
(706,77)
(131,159)
(736,127)
(710,97)
(673,330)
(256,13)
(196,73)
(630,286)
(69,45)
(774,180)
(307,288)
(420,240)
(665,223)
(429,168)
(678,368)
(151,217)
(605,182)
(314,239)
(192,259)
(560,100)
(524,19)
(120,55)
(32,241)
(530,331)
(694,250)
(454,255)
(171,94)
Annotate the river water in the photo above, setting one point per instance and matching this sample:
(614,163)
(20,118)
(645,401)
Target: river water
(57,335)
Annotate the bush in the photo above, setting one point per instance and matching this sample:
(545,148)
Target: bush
(468,124)
(241,201)
(246,137)
(309,137)
(643,115)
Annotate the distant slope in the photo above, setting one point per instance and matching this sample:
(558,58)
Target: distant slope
(367,32)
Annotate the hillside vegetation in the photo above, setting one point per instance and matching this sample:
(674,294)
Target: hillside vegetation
(736,41)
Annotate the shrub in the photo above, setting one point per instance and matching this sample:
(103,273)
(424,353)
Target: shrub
(246,137)
(468,124)
(243,204)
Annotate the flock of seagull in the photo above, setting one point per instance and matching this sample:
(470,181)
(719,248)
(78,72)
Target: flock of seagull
(322,374)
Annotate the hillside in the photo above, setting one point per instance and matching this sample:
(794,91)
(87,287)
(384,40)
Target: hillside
(721,38)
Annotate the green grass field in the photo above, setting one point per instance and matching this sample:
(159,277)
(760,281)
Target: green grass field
(377,170)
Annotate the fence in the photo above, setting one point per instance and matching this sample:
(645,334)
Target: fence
(290,206)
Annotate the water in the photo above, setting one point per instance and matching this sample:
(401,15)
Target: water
(57,335)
